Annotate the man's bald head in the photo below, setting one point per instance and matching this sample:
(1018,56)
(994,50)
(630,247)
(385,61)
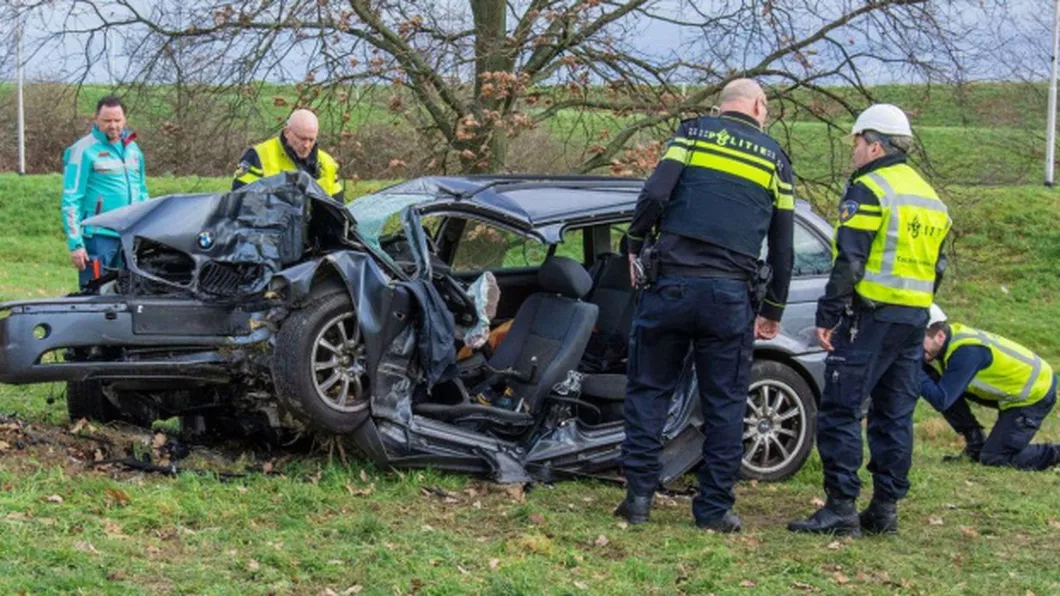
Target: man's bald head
(301,132)
(746,97)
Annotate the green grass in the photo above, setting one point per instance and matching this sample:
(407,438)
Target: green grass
(317,525)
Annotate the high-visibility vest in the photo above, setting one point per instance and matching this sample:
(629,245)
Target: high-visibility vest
(275,160)
(1016,376)
(910,224)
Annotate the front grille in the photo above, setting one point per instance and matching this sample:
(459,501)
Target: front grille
(228,279)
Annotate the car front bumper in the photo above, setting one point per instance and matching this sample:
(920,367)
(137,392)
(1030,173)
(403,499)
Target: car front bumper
(155,338)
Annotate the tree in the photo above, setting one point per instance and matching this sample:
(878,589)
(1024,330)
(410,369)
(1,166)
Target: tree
(472,75)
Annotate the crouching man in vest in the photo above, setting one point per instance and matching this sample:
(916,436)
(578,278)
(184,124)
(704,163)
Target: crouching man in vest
(996,372)
(294,149)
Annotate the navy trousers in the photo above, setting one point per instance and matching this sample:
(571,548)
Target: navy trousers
(713,318)
(881,359)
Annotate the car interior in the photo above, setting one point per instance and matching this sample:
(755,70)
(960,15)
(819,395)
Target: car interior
(563,307)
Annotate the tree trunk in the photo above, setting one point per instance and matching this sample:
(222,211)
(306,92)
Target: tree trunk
(489,143)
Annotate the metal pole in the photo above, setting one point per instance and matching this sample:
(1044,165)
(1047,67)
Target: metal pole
(21,104)
(1050,135)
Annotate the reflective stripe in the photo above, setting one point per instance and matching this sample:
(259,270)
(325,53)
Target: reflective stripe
(889,200)
(676,153)
(708,159)
(900,283)
(1035,363)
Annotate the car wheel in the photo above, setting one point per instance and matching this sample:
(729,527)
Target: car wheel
(779,424)
(85,399)
(319,365)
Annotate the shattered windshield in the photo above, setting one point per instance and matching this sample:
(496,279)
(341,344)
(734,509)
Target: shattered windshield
(378,214)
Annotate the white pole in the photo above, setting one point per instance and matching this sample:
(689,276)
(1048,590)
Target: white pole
(1050,135)
(21,106)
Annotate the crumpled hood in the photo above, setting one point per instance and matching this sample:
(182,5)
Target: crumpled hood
(242,237)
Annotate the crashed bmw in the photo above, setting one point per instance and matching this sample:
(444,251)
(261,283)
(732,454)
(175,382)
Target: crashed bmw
(472,323)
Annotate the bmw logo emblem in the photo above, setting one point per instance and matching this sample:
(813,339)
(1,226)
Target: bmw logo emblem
(205,240)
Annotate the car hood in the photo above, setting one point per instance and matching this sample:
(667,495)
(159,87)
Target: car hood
(227,244)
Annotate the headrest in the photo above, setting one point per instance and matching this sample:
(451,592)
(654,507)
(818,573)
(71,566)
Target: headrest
(564,276)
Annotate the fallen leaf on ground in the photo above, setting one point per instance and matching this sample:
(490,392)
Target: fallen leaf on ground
(79,425)
(267,467)
(516,492)
(840,578)
(935,520)
(817,502)
(969,532)
(54,499)
(748,583)
(159,440)
(120,497)
(253,565)
(1054,523)
(4,446)
(537,518)
(364,476)
(581,585)
(116,576)
(494,563)
(86,547)
(327,592)
(623,525)
(354,589)
(601,540)
(805,587)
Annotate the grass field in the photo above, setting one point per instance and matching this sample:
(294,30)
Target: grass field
(317,526)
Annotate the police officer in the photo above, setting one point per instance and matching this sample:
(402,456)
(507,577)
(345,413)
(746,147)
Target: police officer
(888,262)
(722,186)
(294,149)
(1000,373)
(102,171)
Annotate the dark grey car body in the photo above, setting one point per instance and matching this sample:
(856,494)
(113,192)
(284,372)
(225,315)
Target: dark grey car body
(191,326)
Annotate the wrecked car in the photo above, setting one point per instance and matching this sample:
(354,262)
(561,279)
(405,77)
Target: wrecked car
(476,324)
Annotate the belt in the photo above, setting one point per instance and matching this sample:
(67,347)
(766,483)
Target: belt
(671,270)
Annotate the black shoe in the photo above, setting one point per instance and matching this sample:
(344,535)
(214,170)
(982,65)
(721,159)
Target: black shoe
(635,508)
(837,517)
(726,524)
(880,517)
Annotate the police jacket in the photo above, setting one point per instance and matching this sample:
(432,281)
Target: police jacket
(98,176)
(721,188)
(990,367)
(275,155)
(888,243)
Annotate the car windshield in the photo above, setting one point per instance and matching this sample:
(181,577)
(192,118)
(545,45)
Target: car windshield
(378,214)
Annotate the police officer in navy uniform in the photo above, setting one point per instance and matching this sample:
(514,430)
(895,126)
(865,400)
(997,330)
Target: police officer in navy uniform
(888,262)
(722,186)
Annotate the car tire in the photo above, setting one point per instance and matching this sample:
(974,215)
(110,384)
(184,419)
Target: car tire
(318,365)
(780,423)
(85,399)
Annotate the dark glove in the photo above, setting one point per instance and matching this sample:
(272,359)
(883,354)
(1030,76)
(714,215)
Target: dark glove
(973,446)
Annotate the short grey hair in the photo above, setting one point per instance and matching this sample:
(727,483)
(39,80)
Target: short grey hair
(892,144)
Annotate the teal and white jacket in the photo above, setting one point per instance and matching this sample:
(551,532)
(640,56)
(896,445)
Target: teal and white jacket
(99,176)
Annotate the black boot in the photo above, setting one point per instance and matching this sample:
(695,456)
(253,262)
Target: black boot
(880,517)
(635,508)
(973,443)
(838,517)
(726,524)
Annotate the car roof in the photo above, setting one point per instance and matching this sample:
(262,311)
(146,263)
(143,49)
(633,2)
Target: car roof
(545,200)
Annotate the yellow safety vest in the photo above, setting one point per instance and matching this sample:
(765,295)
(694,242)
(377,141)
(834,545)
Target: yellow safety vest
(1016,376)
(910,224)
(275,160)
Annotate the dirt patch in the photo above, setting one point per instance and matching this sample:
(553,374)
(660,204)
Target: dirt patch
(121,450)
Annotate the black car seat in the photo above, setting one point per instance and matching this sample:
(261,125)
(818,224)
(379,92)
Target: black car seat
(546,340)
(614,295)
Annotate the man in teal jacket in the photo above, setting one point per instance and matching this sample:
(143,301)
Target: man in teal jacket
(103,170)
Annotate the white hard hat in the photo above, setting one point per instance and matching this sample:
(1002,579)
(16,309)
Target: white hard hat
(883,118)
(935,315)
